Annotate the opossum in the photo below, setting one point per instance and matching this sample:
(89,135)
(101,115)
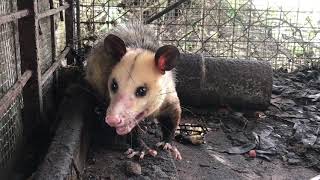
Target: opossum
(137,77)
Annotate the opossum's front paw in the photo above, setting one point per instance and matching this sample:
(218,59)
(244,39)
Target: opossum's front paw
(168,147)
(131,153)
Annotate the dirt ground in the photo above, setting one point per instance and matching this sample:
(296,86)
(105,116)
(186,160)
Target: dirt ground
(203,163)
(285,139)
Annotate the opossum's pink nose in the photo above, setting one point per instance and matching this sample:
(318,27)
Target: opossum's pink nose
(113,121)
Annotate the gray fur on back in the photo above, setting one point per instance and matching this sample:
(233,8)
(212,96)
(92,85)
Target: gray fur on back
(136,35)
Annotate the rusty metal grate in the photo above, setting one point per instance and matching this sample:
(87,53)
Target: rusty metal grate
(8,60)
(45,51)
(60,36)
(10,122)
(39,56)
(59,29)
(10,133)
(286,35)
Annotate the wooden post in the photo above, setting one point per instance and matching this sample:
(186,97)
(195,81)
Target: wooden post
(54,54)
(78,23)
(69,21)
(29,45)
(16,39)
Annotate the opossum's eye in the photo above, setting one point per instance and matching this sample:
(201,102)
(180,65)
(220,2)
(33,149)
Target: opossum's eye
(114,86)
(141,91)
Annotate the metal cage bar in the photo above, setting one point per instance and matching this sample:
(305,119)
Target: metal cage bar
(54,66)
(12,94)
(14,16)
(52,11)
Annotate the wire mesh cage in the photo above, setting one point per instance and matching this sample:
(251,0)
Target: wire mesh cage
(285,35)
(10,122)
(10,134)
(59,29)
(45,41)
(38,31)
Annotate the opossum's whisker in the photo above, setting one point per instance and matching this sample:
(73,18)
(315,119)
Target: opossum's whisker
(138,125)
(165,106)
(131,143)
(131,139)
(166,93)
(143,131)
(163,93)
(154,97)
(136,122)
(189,110)
(109,109)
(127,71)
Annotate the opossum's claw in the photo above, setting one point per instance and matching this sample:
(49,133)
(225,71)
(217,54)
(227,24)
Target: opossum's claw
(131,153)
(168,147)
(159,144)
(142,155)
(152,152)
(176,153)
(164,145)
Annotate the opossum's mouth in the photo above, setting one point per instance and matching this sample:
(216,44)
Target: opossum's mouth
(140,115)
(126,128)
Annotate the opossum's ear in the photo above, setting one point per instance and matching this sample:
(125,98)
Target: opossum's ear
(166,58)
(114,46)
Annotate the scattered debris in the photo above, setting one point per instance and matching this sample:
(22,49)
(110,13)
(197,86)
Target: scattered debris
(290,125)
(314,97)
(252,153)
(204,165)
(241,149)
(260,115)
(295,136)
(305,134)
(191,133)
(265,152)
(239,117)
(316,178)
(293,161)
(264,140)
(193,139)
(264,157)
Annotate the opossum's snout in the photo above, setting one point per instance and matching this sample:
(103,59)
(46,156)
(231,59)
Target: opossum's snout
(113,121)
(123,124)
(122,114)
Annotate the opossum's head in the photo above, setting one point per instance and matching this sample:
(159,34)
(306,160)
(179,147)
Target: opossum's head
(137,84)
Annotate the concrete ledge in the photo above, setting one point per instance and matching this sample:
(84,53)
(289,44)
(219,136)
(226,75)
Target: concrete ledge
(67,153)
